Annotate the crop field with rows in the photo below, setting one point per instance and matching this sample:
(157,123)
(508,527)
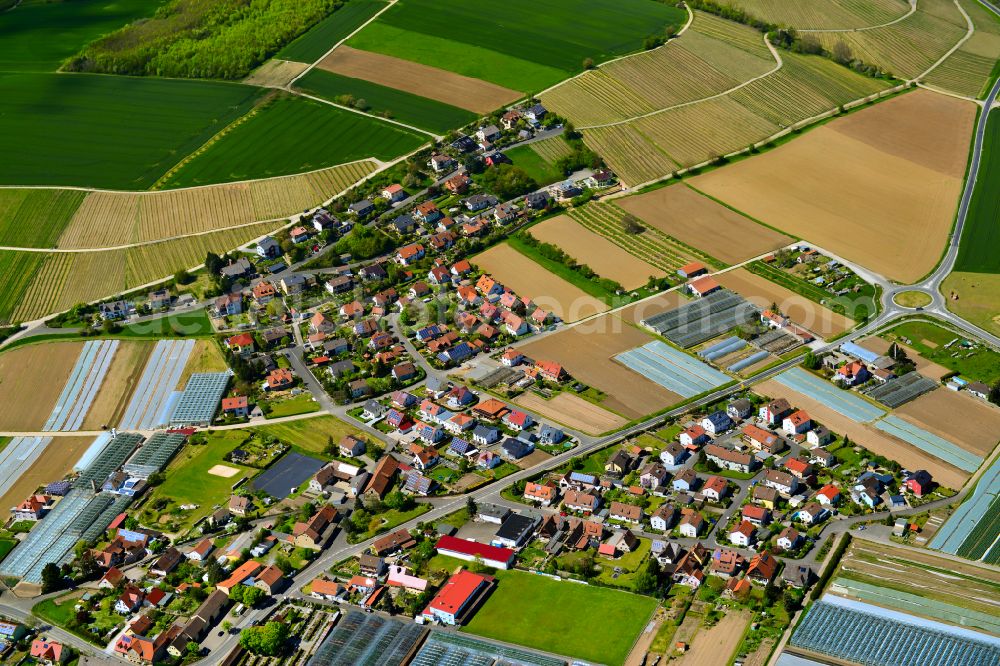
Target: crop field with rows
(651,245)
(35,218)
(109,219)
(552,149)
(17,269)
(61,280)
(824,14)
(633,156)
(908,48)
(714,55)
(970,70)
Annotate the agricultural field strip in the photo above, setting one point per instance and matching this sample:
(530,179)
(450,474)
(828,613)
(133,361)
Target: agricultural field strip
(914,603)
(82,386)
(153,395)
(779,63)
(951,536)
(857,409)
(912,10)
(672,369)
(929,442)
(19,454)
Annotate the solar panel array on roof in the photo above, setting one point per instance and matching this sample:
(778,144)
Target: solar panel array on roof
(153,455)
(200,399)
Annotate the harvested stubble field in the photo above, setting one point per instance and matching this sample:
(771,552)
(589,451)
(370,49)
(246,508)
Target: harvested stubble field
(31,379)
(700,222)
(806,313)
(969,422)
(878,186)
(604,257)
(105,273)
(651,245)
(714,55)
(586,351)
(54,463)
(116,390)
(110,219)
(573,411)
(876,441)
(925,367)
(825,14)
(530,281)
(462,91)
(908,48)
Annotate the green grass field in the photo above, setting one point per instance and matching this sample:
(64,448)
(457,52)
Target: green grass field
(402,106)
(981,364)
(548,615)
(311,46)
(291,135)
(536,165)
(309,436)
(300,404)
(981,234)
(36,218)
(16,272)
(107,131)
(187,477)
(38,35)
(537,48)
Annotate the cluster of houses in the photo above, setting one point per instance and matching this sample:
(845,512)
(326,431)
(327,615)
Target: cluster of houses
(450,425)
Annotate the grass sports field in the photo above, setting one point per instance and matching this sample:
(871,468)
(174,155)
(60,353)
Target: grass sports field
(538,48)
(901,162)
(37,35)
(981,235)
(111,132)
(290,135)
(535,611)
(405,107)
(312,45)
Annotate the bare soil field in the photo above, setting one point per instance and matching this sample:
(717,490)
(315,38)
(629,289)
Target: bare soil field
(276,73)
(716,644)
(536,457)
(696,220)
(573,411)
(926,368)
(604,257)
(31,379)
(636,312)
(920,127)
(530,281)
(224,471)
(862,185)
(461,91)
(55,462)
(969,422)
(811,315)
(586,350)
(116,391)
(864,435)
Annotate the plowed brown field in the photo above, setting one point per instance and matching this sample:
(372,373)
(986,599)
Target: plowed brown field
(31,379)
(964,419)
(462,91)
(573,411)
(698,221)
(878,187)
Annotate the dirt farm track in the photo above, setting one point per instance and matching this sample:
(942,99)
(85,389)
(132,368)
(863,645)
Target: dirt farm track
(879,186)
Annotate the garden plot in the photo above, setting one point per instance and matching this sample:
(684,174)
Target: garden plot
(702,319)
(700,222)
(154,397)
(673,369)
